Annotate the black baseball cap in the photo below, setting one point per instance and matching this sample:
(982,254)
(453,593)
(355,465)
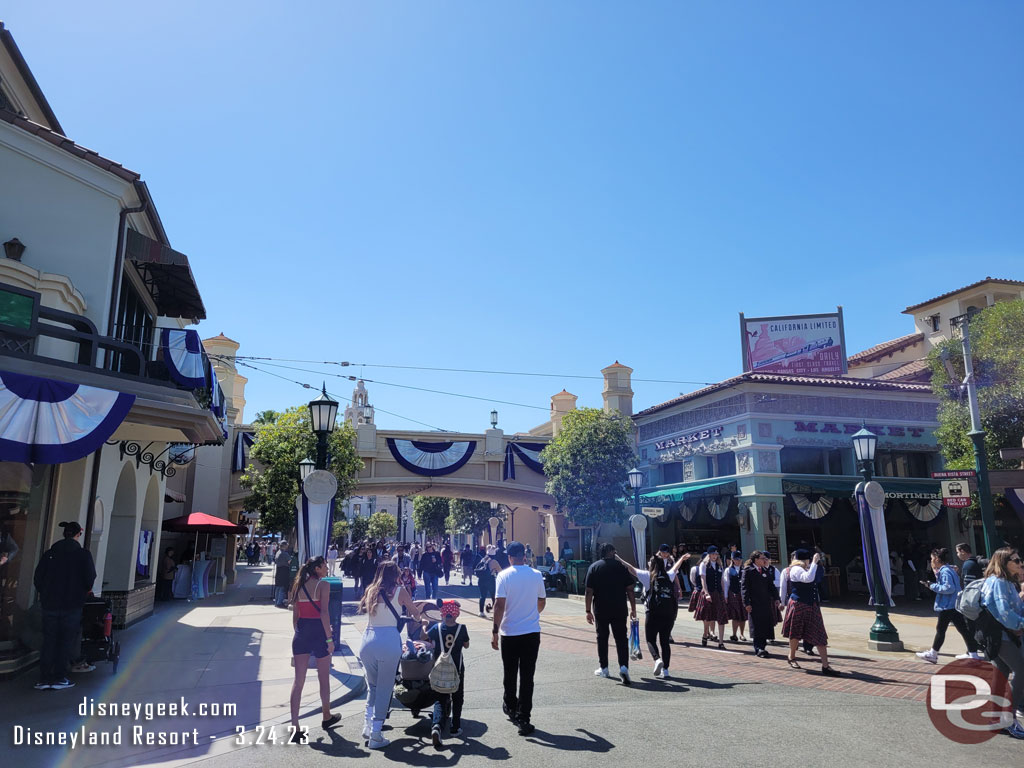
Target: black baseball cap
(663,548)
(515,549)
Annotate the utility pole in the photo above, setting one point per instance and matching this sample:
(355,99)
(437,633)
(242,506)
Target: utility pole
(977,435)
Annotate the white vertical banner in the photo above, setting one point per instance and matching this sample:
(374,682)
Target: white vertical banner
(314,513)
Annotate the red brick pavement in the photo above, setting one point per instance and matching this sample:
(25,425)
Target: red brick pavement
(891,678)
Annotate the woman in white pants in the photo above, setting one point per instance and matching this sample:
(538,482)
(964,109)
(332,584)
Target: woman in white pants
(382,646)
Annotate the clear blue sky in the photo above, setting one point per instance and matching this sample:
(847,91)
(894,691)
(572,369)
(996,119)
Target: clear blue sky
(550,186)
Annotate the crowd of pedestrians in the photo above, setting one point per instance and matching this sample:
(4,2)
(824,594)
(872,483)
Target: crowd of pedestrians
(749,594)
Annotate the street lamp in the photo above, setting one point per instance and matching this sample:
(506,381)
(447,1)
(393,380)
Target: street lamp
(323,414)
(636,480)
(864,443)
(306,467)
(494,419)
(367,414)
(870,494)
(492,523)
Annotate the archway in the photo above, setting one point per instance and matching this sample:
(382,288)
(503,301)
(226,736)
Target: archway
(145,571)
(119,568)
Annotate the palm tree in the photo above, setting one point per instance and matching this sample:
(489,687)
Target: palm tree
(266,417)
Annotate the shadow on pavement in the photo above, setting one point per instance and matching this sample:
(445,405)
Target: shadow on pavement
(593,742)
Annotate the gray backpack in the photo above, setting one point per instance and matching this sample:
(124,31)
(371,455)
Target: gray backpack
(968,600)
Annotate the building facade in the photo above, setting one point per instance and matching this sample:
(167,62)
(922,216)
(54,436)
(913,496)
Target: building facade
(94,417)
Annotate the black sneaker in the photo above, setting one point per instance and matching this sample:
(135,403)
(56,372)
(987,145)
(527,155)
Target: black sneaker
(512,716)
(526,728)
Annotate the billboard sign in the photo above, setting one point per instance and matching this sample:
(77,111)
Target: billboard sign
(804,345)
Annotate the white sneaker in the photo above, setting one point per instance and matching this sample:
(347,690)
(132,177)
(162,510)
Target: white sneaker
(971,655)
(602,672)
(664,674)
(367,730)
(929,656)
(483,615)
(658,666)
(624,675)
(377,741)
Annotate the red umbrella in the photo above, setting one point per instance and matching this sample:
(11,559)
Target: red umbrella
(199,522)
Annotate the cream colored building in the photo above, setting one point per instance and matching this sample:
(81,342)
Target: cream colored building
(88,282)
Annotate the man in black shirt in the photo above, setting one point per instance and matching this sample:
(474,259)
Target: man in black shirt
(63,579)
(609,587)
(970,570)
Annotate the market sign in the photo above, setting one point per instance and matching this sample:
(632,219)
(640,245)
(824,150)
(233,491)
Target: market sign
(693,437)
(807,345)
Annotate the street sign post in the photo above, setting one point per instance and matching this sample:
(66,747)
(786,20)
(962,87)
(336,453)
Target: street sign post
(653,511)
(956,494)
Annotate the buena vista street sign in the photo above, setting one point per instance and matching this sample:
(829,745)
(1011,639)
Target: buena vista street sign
(693,437)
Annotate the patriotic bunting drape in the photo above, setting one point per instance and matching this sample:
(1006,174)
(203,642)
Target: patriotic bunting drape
(240,455)
(314,526)
(429,458)
(874,545)
(812,505)
(528,453)
(183,355)
(43,421)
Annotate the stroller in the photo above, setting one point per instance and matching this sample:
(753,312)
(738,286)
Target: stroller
(412,688)
(97,632)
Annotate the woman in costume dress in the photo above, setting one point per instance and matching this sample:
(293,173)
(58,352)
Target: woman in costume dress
(694,587)
(760,600)
(803,614)
(711,601)
(733,599)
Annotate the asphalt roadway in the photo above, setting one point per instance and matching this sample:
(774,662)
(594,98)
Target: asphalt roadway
(718,718)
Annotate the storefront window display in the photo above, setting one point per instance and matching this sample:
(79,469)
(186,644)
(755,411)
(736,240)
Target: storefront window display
(24,512)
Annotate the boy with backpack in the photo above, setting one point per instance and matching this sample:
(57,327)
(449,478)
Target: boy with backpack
(448,677)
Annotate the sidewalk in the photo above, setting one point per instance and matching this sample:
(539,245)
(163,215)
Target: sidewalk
(230,653)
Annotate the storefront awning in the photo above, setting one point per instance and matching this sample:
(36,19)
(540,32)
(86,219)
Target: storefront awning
(841,488)
(679,492)
(200,522)
(167,275)
(45,421)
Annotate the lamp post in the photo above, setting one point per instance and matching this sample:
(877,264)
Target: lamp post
(323,414)
(882,631)
(494,419)
(636,480)
(306,467)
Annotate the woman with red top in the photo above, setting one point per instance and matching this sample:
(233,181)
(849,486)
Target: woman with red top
(310,619)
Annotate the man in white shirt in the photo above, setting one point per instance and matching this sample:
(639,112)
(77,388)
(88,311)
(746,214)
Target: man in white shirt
(519,600)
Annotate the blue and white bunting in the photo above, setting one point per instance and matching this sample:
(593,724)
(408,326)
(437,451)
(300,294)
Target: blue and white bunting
(240,454)
(429,458)
(313,523)
(874,547)
(183,355)
(528,453)
(43,421)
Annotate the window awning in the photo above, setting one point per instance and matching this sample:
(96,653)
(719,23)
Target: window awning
(680,491)
(840,488)
(167,275)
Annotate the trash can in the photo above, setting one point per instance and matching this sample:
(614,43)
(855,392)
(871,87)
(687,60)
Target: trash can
(334,609)
(576,570)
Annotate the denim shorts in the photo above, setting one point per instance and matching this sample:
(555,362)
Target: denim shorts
(310,638)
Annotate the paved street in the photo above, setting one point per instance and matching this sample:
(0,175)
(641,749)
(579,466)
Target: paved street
(759,712)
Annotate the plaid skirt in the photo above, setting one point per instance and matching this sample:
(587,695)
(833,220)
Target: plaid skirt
(693,600)
(734,608)
(804,622)
(711,609)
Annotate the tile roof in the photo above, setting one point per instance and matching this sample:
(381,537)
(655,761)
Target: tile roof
(999,280)
(617,364)
(836,382)
(7,39)
(879,351)
(915,370)
(68,145)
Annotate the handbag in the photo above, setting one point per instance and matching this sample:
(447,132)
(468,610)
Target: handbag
(444,677)
(400,621)
(634,641)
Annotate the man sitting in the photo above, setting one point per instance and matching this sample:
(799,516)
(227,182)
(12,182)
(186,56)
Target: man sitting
(555,578)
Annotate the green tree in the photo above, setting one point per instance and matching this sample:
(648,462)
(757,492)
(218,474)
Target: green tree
(429,514)
(339,530)
(586,466)
(382,525)
(272,476)
(997,346)
(469,516)
(360,527)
